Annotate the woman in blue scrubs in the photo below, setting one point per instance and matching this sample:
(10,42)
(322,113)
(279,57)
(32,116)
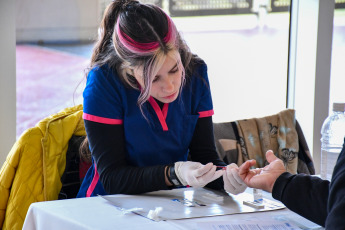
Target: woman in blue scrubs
(147,107)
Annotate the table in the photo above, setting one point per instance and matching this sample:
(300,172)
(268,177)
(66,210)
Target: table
(98,213)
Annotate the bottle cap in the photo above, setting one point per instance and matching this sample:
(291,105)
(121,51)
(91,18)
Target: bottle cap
(339,107)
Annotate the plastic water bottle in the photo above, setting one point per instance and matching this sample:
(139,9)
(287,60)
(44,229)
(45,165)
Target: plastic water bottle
(333,133)
(257,195)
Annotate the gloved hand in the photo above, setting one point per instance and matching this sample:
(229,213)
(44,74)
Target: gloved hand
(232,181)
(196,174)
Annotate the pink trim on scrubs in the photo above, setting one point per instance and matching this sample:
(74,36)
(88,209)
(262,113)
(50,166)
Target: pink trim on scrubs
(93,183)
(206,113)
(160,114)
(103,120)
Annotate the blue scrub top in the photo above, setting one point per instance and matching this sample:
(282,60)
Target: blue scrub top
(163,137)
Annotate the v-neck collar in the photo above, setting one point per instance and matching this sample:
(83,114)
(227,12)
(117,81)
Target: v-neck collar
(161,113)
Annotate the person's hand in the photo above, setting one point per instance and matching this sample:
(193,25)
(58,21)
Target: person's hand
(262,178)
(232,181)
(196,174)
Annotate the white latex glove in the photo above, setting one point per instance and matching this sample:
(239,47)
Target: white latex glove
(232,181)
(196,174)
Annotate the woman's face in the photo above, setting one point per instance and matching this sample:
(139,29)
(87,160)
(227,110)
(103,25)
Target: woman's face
(166,84)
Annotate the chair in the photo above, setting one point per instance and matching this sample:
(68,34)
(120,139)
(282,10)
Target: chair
(75,169)
(241,140)
(39,164)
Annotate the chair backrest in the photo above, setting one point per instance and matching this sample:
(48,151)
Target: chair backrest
(74,172)
(240,140)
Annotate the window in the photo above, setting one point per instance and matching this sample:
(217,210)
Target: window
(310,67)
(337,93)
(245,45)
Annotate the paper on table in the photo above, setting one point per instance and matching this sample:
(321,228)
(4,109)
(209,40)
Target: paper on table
(189,203)
(250,225)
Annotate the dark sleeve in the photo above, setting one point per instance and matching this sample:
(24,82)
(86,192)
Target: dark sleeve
(202,148)
(107,145)
(336,200)
(304,194)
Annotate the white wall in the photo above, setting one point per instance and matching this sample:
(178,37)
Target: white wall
(57,21)
(7,78)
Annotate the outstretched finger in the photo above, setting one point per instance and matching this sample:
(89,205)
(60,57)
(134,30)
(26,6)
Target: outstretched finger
(217,174)
(270,156)
(203,169)
(210,176)
(244,169)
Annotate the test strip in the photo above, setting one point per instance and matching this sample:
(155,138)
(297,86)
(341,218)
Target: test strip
(254,204)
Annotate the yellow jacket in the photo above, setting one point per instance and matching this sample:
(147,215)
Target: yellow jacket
(33,168)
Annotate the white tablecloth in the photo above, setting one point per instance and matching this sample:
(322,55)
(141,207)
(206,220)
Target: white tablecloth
(97,213)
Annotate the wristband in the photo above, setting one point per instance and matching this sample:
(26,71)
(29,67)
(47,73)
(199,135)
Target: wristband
(173,178)
(167,170)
